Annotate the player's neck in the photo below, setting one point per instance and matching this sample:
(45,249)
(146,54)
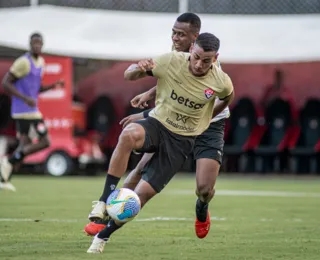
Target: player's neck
(35,56)
(198,76)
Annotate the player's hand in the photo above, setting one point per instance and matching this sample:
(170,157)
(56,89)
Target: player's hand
(59,83)
(146,65)
(30,101)
(141,101)
(129,119)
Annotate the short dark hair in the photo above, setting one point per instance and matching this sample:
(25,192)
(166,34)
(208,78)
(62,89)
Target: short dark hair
(34,35)
(208,42)
(192,19)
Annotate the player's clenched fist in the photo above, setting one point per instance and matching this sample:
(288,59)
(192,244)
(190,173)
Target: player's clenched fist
(146,65)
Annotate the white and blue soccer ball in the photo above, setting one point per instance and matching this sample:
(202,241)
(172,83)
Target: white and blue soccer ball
(123,205)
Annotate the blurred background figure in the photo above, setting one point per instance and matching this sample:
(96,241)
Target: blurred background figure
(277,90)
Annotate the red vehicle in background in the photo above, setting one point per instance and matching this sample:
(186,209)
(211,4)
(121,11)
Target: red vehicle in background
(72,148)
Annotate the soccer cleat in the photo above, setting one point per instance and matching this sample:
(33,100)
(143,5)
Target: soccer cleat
(202,228)
(7,186)
(99,210)
(6,169)
(95,227)
(97,245)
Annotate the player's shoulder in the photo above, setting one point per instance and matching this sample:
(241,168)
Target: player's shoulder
(41,61)
(179,55)
(178,59)
(219,75)
(21,60)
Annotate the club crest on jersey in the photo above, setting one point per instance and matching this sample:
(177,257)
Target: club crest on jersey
(208,93)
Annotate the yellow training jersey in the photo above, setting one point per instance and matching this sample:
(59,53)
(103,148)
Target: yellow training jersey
(184,103)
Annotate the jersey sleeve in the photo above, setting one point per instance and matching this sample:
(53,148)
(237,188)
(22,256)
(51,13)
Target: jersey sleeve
(20,68)
(227,88)
(161,65)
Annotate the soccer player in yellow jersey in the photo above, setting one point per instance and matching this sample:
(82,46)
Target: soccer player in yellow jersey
(208,147)
(186,90)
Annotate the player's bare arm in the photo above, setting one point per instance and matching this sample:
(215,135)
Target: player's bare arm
(138,71)
(222,104)
(59,82)
(141,100)
(8,84)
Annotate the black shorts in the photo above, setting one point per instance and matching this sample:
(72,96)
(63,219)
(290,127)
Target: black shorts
(170,152)
(24,126)
(210,143)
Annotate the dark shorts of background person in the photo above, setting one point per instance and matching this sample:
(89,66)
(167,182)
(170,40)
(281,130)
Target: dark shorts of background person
(25,125)
(210,143)
(170,152)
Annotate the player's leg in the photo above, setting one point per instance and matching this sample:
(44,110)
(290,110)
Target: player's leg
(208,154)
(142,136)
(6,169)
(145,192)
(26,147)
(169,158)
(7,165)
(43,139)
(134,176)
(132,180)
(207,172)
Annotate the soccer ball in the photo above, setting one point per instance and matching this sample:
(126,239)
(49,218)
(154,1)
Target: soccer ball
(123,205)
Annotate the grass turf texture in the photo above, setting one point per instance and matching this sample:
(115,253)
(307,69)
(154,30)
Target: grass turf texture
(44,219)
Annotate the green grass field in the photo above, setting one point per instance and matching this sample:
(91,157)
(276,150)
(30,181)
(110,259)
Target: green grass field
(260,218)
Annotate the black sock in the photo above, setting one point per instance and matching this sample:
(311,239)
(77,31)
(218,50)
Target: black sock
(16,157)
(201,210)
(109,186)
(108,230)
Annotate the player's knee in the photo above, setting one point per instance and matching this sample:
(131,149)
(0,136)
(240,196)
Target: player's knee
(144,195)
(205,190)
(144,198)
(131,137)
(24,140)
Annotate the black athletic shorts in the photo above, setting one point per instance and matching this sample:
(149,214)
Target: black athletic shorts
(24,126)
(210,143)
(170,152)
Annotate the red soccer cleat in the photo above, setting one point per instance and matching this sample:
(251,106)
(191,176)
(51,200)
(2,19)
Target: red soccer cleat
(202,228)
(93,228)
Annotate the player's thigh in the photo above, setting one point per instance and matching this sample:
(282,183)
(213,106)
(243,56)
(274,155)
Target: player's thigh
(208,153)
(134,176)
(210,143)
(167,161)
(152,136)
(143,162)
(23,127)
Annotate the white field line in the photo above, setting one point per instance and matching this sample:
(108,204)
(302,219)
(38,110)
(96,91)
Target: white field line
(84,220)
(252,193)
(164,219)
